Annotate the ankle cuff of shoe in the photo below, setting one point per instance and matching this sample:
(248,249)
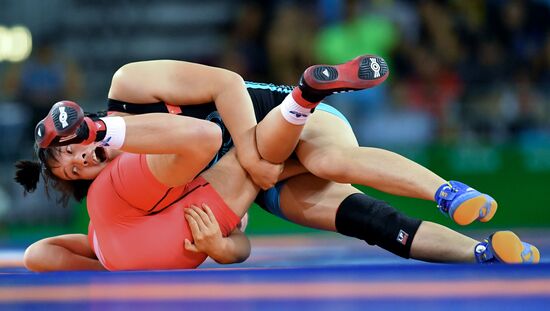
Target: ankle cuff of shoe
(299,98)
(445,192)
(483,253)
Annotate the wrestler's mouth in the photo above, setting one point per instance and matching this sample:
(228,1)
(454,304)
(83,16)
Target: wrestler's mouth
(99,155)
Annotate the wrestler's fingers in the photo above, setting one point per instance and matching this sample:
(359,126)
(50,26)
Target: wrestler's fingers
(191,211)
(190,246)
(195,230)
(210,214)
(204,216)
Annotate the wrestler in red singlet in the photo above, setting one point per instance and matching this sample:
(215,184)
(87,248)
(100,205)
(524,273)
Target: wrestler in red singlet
(124,236)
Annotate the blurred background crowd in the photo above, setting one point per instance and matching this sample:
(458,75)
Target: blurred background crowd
(463,73)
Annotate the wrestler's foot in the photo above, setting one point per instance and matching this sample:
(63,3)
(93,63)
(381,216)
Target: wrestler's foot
(66,125)
(506,247)
(465,204)
(362,72)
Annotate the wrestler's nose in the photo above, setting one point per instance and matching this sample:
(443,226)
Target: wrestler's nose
(82,159)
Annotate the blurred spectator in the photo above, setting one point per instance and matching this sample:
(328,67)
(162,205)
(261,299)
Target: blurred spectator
(438,33)
(398,126)
(543,69)
(360,31)
(363,28)
(529,111)
(246,52)
(432,83)
(46,77)
(30,89)
(519,25)
(434,89)
(290,42)
(13,123)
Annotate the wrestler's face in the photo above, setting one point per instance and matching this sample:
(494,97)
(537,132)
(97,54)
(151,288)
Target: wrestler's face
(74,162)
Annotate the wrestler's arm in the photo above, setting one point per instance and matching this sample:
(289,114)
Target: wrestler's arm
(184,83)
(207,237)
(236,249)
(67,252)
(177,147)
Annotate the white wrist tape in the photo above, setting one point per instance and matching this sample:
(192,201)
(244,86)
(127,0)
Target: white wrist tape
(116,132)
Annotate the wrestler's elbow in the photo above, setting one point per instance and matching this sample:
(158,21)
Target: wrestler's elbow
(242,257)
(237,249)
(230,260)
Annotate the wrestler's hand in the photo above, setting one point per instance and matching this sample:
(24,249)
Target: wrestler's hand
(263,173)
(205,229)
(208,238)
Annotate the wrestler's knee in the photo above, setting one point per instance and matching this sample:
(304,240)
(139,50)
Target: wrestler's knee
(377,223)
(32,258)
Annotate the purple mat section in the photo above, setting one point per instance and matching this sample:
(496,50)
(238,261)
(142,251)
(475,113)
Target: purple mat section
(291,273)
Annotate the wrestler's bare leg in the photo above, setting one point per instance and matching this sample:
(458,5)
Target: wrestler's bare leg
(317,82)
(61,253)
(310,201)
(273,130)
(328,149)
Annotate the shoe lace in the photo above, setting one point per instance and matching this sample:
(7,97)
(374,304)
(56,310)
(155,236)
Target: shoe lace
(445,194)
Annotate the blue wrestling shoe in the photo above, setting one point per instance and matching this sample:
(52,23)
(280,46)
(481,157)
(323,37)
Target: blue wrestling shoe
(506,247)
(464,204)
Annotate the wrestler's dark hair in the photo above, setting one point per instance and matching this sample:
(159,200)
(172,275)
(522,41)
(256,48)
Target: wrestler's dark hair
(28,174)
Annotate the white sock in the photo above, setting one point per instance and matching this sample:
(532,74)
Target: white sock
(293,112)
(116,132)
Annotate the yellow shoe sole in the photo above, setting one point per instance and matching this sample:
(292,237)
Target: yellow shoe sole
(507,247)
(468,211)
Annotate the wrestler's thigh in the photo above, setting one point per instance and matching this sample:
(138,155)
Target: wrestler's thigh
(312,202)
(324,130)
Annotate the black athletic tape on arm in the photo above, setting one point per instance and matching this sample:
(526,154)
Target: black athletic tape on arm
(377,223)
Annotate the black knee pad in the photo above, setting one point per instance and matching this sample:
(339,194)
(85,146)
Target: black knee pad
(377,223)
